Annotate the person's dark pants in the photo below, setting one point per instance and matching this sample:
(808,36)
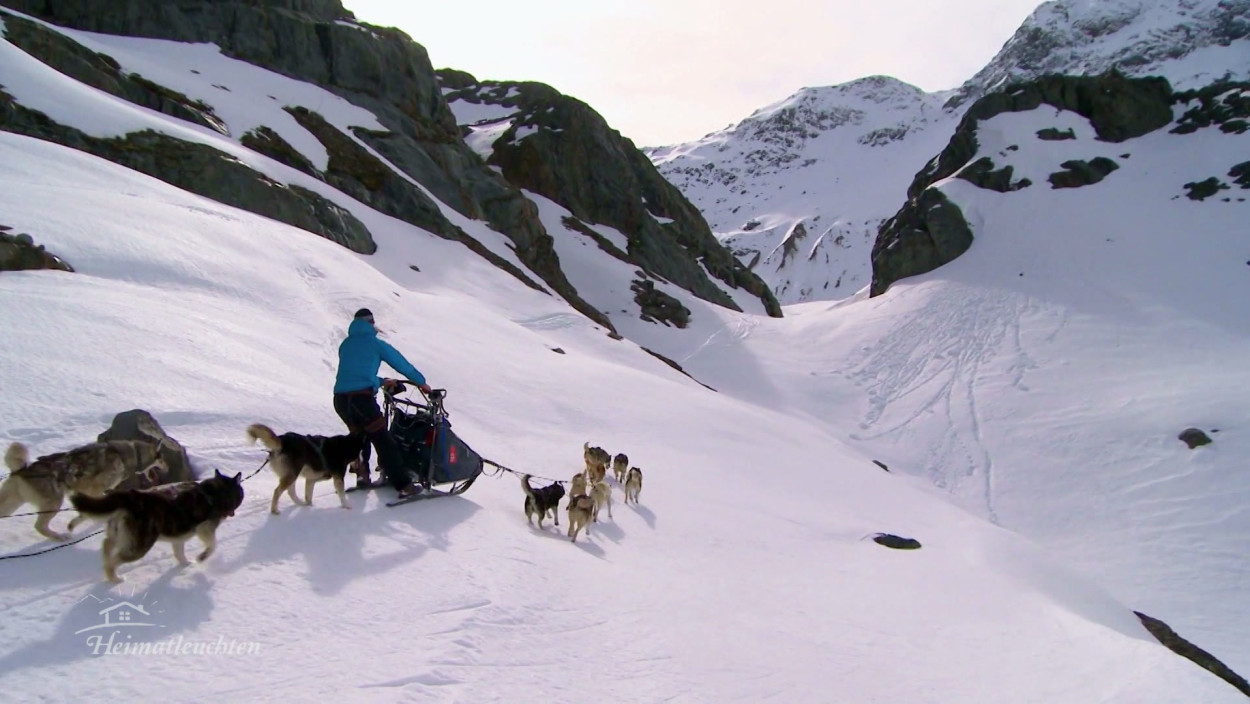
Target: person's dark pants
(359,410)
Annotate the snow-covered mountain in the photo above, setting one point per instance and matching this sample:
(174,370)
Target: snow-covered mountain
(799,189)
(1190,42)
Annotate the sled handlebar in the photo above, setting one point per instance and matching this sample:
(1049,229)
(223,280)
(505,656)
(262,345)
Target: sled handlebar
(400,387)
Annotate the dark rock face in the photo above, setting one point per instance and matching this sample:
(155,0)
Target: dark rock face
(1079,173)
(930,231)
(560,148)
(1194,437)
(102,72)
(138,424)
(1174,642)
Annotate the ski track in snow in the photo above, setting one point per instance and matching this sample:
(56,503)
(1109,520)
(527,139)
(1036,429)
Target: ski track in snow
(940,356)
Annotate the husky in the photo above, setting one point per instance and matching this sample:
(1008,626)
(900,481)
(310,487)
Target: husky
(633,484)
(313,457)
(578,485)
(581,510)
(601,492)
(597,460)
(137,518)
(539,501)
(620,464)
(92,469)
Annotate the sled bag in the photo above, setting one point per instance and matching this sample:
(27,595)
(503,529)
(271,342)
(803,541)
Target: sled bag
(437,450)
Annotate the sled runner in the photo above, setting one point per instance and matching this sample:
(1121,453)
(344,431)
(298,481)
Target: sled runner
(433,454)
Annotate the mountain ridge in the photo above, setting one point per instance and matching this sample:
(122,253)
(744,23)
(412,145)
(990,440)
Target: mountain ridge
(811,182)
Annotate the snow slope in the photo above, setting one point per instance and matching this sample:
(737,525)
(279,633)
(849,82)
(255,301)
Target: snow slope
(718,587)
(1043,377)
(747,573)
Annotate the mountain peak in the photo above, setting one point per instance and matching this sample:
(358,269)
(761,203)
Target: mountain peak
(1181,40)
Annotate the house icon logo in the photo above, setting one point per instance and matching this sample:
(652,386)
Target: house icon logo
(123,614)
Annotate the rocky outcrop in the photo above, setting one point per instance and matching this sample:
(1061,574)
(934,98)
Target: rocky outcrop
(1240,173)
(1051,134)
(138,424)
(102,72)
(1182,647)
(18,252)
(560,148)
(1224,104)
(982,174)
(203,170)
(1078,172)
(930,230)
(657,305)
(1201,190)
(361,175)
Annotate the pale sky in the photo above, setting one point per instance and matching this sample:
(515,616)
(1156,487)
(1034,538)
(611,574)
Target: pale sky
(669,71)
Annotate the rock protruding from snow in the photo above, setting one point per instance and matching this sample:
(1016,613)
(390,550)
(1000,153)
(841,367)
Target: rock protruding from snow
(138,424)
(18,252)
(1194,438)
(897,542)
(1182,647)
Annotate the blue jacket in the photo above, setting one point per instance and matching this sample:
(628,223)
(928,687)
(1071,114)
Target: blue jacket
(362,353)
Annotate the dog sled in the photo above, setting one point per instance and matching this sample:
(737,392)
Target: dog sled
(436,457)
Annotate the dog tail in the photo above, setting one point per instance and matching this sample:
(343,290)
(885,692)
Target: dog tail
(16,457)
(99,506)
(525,484)
(10,496)
(256,431)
